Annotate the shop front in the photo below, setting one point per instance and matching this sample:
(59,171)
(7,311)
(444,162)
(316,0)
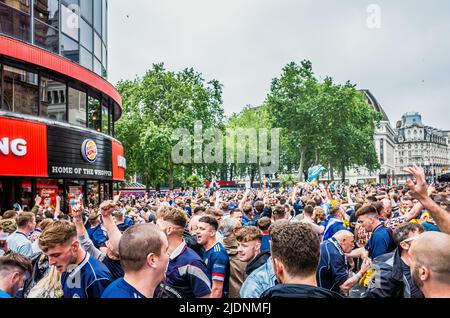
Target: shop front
(51,159)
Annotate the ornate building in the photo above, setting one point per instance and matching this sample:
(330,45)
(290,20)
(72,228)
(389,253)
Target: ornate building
(422,145)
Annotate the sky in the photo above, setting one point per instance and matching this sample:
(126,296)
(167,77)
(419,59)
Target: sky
(398,49)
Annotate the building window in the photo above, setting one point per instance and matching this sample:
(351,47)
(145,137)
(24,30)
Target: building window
(105,117)
(46,37)
(86,35)
(47,11)
(21,5)
(69,49)
(55,107)
(98,16)
(94,114)
(85,58)
(15,23)
(20,92)
(70,20)
(77,107)
(382,151)
(86,9)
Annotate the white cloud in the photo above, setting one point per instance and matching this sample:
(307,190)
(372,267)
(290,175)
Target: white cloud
(245,43)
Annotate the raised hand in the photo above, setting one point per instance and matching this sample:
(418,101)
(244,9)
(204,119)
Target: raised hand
(107,208)
(38,200)
(418,189)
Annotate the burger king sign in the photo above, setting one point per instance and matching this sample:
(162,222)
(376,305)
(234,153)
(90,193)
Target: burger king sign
(89,150)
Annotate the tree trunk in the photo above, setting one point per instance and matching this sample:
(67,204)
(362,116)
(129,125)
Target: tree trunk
(343,172)
(301,176)
(170,176)
(231,172)
(331,173)
(252,177)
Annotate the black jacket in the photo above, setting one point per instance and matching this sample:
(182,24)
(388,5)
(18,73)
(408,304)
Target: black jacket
(389,280)
(298,291)
(259,261)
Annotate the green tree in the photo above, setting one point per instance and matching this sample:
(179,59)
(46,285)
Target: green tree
(249,118)
(154,107)
(322,122)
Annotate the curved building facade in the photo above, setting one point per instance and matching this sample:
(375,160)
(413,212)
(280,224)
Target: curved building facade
(57,110)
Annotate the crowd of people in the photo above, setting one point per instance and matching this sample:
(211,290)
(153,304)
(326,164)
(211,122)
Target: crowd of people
(307,241)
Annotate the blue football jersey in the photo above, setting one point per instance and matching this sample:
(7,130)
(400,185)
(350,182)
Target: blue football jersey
(87,280)
(218,264)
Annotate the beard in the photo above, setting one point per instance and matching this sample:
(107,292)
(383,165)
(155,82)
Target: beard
(416,277)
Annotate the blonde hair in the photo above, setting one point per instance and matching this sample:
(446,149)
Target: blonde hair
(49,286)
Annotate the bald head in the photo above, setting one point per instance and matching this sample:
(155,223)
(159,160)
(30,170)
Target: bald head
(432,250)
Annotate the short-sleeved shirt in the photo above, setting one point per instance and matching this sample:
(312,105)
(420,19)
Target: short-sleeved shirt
(187,273)
(381,242)
(121,289)
(218,264)
(18,242)
(87,280)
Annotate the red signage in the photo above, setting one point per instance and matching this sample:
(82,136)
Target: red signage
(118,161)
(23,148)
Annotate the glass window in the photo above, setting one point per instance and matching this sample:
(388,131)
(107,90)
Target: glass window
(97,46)
(14,23)
(98,15)
(86,9)
(105,117)
(85,58)
(104,56)
(77,107)
(92,192)
(47,11)
(26,196)
(104,19)
(70,21)
(69,49)
(97,67)
(48,189)
(104,72)
(46,36)
(75,188)
(22,5)
(94,115)
(86,35)
(53,99)
(20,93)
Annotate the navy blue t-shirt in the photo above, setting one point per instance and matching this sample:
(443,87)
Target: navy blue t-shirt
(218,264)
(121,289)
(381,242)
(265,243)
(187,273)
(332,270)
(97,236)
(87,280)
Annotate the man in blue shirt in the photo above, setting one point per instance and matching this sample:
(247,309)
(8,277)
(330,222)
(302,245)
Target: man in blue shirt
(144,255)
(215,256)
(335,222)
(186,273)
(332,272)
(14,270)
(381,240)
(82,275)
(95,232)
